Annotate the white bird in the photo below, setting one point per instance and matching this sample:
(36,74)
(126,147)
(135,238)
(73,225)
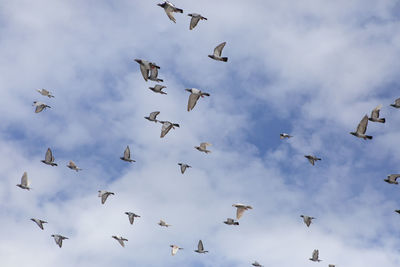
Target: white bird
(169,8)
(120,240)
(284,135)
(154,73)
(375,115)
(312,159)
(104,195)
(127,155)
(218,52)
(163,223)
(73,166)
(144,68)
(44,92)
(132,216)
(241,209)
(315,256)
(203,147)
(24,182)
(39,222)
(256,264)
(231,221)
(396,103)
(362,128)
(175,249)
(195,19)
(166,126)
(59,239)
(49,158)
(158,89)
(200,248)
(195,94)
(40,106)
(152,116)
(392,179)
(183,167)
(307,219)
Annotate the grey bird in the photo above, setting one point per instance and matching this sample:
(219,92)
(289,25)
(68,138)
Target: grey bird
(49,158)
(195,94)
(144,68)
(24,182)
(392,178)
(120,240)
(158,89)
(375,115)
(396,103)
(195,19)
(169,8)
(40,106)
(307,219)
(175,249)
(362,128)
(73,166)
(59,239)
(218,52)
(163,223)
(230,221)
(166,126)
(315,256)
(154,73)
(127,155)
(331,265)
(284,135)
(104,195)
(203,147)
(39,222)
(312,159)
(153,116)
(132,216)
(240,209)
(200,248)
(44,92)
(256,264)
(184,167)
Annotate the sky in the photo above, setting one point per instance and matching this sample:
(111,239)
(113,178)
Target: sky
(309,68)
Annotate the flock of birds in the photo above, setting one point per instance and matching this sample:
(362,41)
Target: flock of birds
(149,71)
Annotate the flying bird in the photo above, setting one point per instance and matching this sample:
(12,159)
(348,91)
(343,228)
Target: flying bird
(195,94)
(362,128)
(195,19)
(49,158)
(169,8)
(104,195)
(203,147)
(307,219)
(241,209)
(158,89)
(132,216)
(44,92)
(392,179)
(218,52)
(152,116)
(166,126)
(144,68)
(396,103)
(331,265)
(231,221)
(127,155)
(175,249)
(120,240)
(200,248)
(183,167)
(163,223)
(284,135)
(24,182)
(154,73)
(59,239)
(39,222)
(315,256)
(375,115)
(40,106)
(312,159)
(256,264)
(73,166)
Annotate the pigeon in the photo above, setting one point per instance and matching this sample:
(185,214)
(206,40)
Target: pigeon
(203,147)
(217,53)
(158,89)
(307,219)
(163,223)
(175,249)
(392,179)
(154,73)
(120,240)
(49,158)
(200,248)
(166,126)
(152,116)
(44,92)
(195,94)
(183,167)
(315,256)
(240,209)
(256,264)
(284,135)
(39,222)
(131,216)
(362,128)
(195,19)
(331,265)
(40,106)
(231,221)
(312,159)
(127,155)
(104,195)
(144,68)
(375,115)
(59,239)
(169,8)
(396,103)
(24,182)
(73,166)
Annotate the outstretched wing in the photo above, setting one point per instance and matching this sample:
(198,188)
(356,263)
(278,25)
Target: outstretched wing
(145,71)
(194,21)
(200,246)
(218,49)
(24,179)
(127,153)
(154,114)
(49,156)
(375,112)
(362,126)
(192,101)
(239,212)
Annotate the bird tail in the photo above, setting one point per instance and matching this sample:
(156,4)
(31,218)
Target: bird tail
(224,59)
(368,137)
(382,120)
(179,10)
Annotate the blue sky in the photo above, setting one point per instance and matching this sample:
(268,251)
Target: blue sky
(311,68)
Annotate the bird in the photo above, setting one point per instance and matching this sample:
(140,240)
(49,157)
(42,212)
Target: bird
(163,223)
(331,265)
(203,147)
(166,126)
(73,166)
(284,135)
(40,106)
(375,115)
(218,52)
(257,264)
(152,116)
(195,19)
(312,159)
(131,216)
(39,222)
(104,195)
(169,8)
(24,182)
(120,240)
(392,179)
(183,167)
(175,249)
(315,256)
(158,89)
(240,209)
(230,221)
(144,68)
(195,94)
(44,92)
(362,128)
(307,219)
(59,239)
(396,103)
(154,73)
(200,248)
(49,158)
(127,155)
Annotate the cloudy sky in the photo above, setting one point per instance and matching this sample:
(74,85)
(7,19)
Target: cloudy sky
(309,68)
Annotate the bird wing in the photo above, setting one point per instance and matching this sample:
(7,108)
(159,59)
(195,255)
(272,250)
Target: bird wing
(315,254)
(183,168)
(24,179)
(218,49)
(165,129)
(169,14)
(397,101)
(154,114)
(391,177)
(127,153)
(194,21)
(239,212)
(153,73)
(104,197)
(174,250)
(39,108)
(204,145)
(131,218)
(145,71)
(375,112)
(192,101)
(362,126)
(200,246)
(72,164)
(49,155)
(121,242)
